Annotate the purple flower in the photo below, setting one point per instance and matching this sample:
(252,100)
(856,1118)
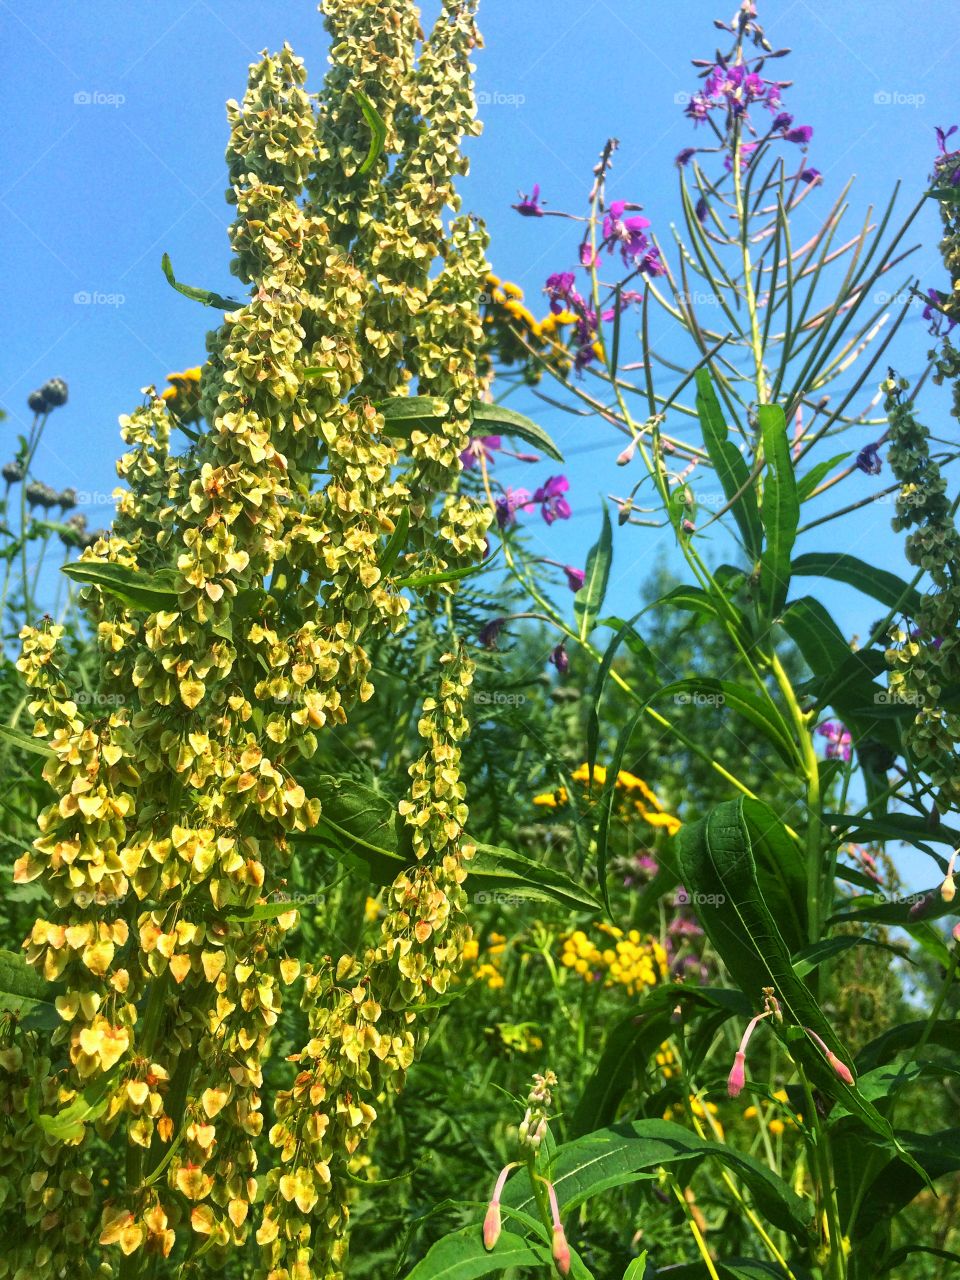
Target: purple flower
(783,121)
(838,739)
(560,658)
(685,156)
(575,577)
(746,155)
(943,136)
(803,133)
(627,235)
(869,460)
(553,505)
(529,206)
(701,210)
(933,312)
(561,292)
(588,258)
(810,175)
(490,633)
(479,447)
(509,503)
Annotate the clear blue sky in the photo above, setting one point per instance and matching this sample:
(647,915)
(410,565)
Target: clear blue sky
(97,186)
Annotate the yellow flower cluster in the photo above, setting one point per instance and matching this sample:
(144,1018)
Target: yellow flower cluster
(516,336)
(778,1118)
(488,968)
(182,397)
(678,1113)
(618,959)
(635,797)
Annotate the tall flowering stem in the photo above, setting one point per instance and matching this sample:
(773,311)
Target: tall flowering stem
(168,842)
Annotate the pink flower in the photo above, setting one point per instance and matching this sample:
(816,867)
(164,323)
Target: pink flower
(553,505)
(738,1075)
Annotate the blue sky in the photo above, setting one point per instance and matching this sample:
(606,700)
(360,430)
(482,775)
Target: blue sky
(114,130)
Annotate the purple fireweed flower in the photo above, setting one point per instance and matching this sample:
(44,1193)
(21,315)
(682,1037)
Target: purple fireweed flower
(509,503)
(562,293)
(553,505)
(490,633)
(869,460)
(933,313)
(810,175)
(838,739)
(942,136)
(575,577)
(699,107)
(685,156)
(746,155)
(560,658)
(802,133)
(588,258)
(479,447)
(627,235)
(701,210)
(783,121)
(529,206)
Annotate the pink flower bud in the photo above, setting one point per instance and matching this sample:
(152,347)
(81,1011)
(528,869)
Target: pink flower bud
(491,1225)
(840,1068)
(627,454)
(561,1251)
(948,890)
(738,1076)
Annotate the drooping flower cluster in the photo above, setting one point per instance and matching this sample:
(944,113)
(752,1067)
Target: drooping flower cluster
(234,618)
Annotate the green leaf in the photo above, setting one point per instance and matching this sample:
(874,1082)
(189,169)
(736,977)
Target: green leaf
(67,1125)
(25,741)
(718,867)
(206,296)
(607,1158)
(931,1156)
(497,419)
(395,542)
(317,370)
(633,1042)
(637,1268)
(727,693)
(25,993)
(403,414)
(806,484)
(359,824)
(588,601)
(730,466)
(461,1256)
(781,509)
(132,586)
(944,1032)
(417,580)
(378,130)
(879,584)
(809,958)
(624,631)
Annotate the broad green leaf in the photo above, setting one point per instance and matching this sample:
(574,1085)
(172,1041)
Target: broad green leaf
(781,510)
(944,1032)
(880,584)
(68,1124)
(637,1268)
(206,296)
(908,827)
(417,580)
(918,907)
(588,601)
(501,875)
(497,419)
(25,741)
(806,484)
(403,414)
(781,871)
(378,130)
(599,1161)
(25,993)
(707,692)
(936,1154)
(730,466)
(461,1256)
(317,370)
(132,586)
(717,863)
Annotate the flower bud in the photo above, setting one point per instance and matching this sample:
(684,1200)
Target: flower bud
(54,393)
(840,1068)
(36,401)
(561,1251)
(491,1225)
(738,1076)
(12,472)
